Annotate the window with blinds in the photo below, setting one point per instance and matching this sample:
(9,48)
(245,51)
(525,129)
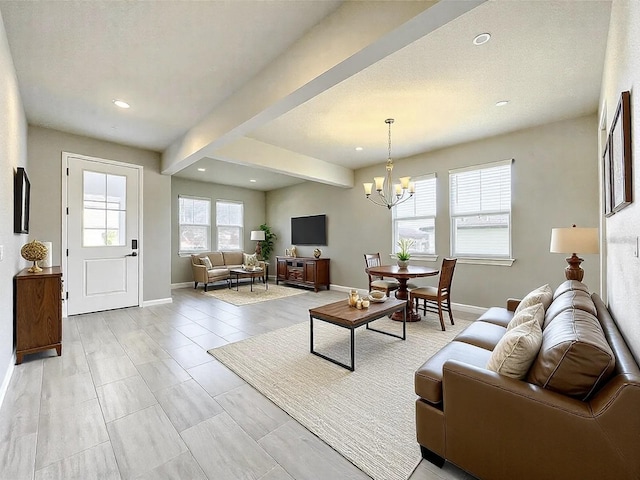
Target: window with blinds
(415,219)
(480,210)
(194,215)
(229,224)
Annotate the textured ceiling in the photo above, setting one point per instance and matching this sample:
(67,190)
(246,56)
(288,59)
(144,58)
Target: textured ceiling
(177,62)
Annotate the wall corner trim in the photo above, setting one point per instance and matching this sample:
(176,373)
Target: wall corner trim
(157,301)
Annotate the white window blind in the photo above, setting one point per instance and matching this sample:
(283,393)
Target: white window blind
(480,210)
(194,216)
(415,219)
(230,224)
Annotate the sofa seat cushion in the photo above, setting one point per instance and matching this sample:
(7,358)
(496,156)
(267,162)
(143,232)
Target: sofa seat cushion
(574,357)
(568,286)
(218,273)
(428,378)
(568,300)
(497,315)
(482,334)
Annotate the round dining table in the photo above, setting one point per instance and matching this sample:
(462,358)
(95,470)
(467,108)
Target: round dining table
(403,274)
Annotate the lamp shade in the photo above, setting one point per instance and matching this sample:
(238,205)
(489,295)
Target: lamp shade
(257,235)
(574,240)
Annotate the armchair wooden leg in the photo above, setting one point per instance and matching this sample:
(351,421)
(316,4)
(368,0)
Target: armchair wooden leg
(205,287)
(196,285)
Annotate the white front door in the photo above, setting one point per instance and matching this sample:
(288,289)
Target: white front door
(103,257)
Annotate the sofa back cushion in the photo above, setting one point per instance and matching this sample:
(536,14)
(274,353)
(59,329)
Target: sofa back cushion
(574,356)
(568,300)
(568,286)
(233,258)
(217,260)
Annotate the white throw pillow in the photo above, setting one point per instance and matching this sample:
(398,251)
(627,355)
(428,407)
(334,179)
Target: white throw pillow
(250,260)
(206,261)
(541,294)
(527,314)
(516,350)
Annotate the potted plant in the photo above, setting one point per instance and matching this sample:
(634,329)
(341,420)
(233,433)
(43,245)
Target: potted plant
(266,245)
(403,254)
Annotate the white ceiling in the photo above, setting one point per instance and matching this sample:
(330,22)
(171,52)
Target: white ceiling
(177,63)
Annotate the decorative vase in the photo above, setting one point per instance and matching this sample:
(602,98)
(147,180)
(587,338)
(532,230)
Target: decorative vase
(403,263)
(34,252)
(317,252)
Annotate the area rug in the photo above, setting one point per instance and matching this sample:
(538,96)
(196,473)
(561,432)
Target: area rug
(366,415)
(244,296)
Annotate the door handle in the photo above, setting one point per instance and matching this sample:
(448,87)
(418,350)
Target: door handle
(132,254)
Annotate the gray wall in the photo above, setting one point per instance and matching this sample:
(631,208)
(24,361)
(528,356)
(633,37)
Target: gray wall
(622,72)
(554,184)
(254,216)
(45,159)
(13,153)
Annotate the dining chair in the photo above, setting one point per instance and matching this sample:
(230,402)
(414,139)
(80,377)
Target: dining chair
(375,282)
(436,299)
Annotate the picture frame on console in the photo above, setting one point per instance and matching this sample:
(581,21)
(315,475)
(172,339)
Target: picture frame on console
(620,155)
(21,201)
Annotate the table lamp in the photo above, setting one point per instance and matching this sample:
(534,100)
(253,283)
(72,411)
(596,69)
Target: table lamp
(574,240)
(258,235)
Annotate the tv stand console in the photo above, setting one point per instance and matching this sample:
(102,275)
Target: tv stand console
(303,271)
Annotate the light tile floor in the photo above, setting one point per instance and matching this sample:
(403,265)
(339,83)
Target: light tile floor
(136,396)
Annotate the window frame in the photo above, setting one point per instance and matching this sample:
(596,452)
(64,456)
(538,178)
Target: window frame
(241,227)
(482,258)
(428,256)
(182,251)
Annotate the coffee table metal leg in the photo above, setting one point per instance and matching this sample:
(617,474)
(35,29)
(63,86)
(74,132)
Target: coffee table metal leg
(351,367)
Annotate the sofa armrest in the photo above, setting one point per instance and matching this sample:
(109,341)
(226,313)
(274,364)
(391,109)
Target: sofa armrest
(199,273)
(512,304)
(496,426)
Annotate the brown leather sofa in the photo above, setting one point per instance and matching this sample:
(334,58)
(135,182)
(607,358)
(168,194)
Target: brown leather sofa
(222,262)
(576,415)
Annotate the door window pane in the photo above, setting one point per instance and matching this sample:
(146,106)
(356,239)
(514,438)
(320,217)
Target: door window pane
(104,209)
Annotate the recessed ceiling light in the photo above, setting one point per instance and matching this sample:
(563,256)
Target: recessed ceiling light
(202,169)
(481,39)
(359,149)
(121,104)
(252,180)
(502,103)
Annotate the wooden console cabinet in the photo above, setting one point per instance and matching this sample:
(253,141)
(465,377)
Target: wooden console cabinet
(37,311)
(303,271)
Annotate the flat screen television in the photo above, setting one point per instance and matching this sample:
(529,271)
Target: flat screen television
(311,230)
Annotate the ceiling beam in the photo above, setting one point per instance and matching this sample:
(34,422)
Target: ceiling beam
(368,32)
(253,153)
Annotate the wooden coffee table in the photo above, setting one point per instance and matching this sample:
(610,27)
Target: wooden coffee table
(342,315)
(241,273)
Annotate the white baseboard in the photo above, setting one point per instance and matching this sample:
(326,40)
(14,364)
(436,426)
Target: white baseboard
(181,285)
(461,307)
(340,288)
(157,301)
(7,378)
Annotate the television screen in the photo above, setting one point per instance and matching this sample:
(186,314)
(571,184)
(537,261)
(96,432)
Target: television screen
(310,230)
